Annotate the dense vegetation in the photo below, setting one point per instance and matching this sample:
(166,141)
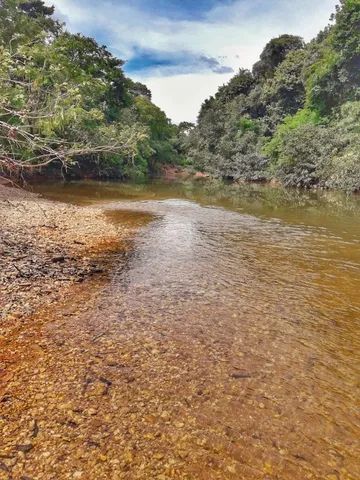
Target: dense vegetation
(295,117)
(65,102)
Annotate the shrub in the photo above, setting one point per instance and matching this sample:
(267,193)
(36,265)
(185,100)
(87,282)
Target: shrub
(304,150)
(342,171)
(274,147)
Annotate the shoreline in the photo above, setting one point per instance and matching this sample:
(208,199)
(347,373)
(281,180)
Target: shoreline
(48,247)
(141,371)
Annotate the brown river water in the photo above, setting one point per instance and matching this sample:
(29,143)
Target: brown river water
(229,339)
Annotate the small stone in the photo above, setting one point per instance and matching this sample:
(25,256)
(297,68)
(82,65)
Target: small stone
(183,454)
(240,375)
(128,457)
(231,469)
(159,456)
(58,259)
(24,448)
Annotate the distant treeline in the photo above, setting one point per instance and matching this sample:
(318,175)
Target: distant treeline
(295,117)
(65,103)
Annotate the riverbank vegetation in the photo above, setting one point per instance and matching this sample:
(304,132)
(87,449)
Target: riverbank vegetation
(294,117)
(67,108)
(66,104)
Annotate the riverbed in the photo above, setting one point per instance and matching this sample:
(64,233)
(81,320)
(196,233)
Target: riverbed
(225,346)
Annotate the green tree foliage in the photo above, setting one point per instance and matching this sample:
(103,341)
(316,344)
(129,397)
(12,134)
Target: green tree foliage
(24,22)
(275,53)
(333,75)
(162,132)
(232,125)
(241,84)
(284,94)
(341,169)
(65,99)
(138,89)
(295,117)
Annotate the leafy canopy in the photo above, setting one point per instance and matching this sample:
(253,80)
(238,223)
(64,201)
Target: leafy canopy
(294,117)
(65,101)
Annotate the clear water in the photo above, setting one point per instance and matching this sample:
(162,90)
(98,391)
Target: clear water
(251,295)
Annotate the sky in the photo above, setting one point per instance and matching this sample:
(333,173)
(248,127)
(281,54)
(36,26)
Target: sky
(183,50)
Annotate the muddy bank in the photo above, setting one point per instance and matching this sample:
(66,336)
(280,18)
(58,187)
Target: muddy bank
(47,247)
(169,172)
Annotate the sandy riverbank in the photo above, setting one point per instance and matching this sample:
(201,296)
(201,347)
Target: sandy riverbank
(45,248)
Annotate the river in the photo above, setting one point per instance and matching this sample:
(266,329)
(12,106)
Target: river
(235,323)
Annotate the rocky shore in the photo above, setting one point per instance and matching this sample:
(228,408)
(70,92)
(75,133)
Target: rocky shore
(45,248)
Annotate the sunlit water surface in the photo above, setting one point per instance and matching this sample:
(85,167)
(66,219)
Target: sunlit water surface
(260,287)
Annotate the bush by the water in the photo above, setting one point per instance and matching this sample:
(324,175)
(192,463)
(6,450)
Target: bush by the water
(294,117)
(65,101)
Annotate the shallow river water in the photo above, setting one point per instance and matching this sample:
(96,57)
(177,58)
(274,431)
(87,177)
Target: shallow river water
(235,321)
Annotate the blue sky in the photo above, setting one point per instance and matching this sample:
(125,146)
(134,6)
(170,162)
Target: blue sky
(179,9)
(185,49)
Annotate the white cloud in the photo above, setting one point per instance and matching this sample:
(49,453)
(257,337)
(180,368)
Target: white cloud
(237,31)
(181,95)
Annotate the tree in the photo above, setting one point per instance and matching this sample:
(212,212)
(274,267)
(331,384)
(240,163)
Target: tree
(287,117)
(162,132)
(333,77)
(24,22)
(275,53)
(36,9)
(33,126)
(65,101)
(186,127)
(138,89)
(241,84)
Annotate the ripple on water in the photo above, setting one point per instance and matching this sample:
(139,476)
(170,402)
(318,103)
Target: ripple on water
(261,314)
